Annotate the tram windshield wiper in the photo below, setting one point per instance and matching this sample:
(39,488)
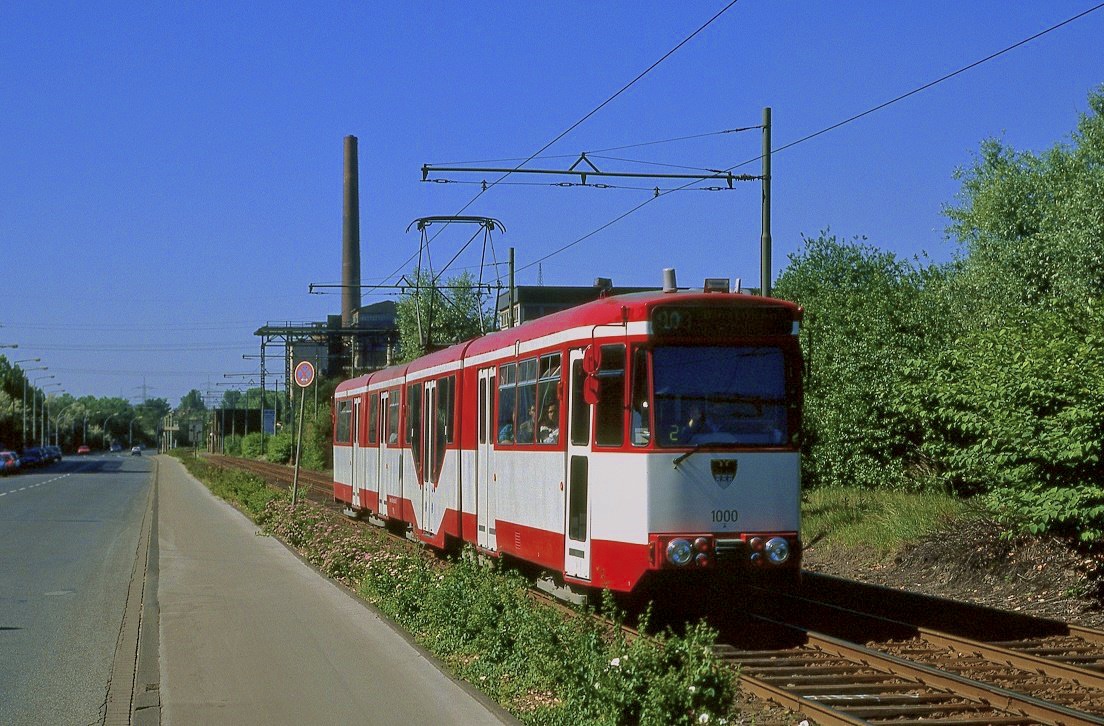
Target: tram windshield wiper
(695,449)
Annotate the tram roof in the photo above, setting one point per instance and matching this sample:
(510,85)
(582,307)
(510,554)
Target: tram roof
(603,311)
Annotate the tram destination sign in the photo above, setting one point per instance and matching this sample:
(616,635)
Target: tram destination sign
(696,321)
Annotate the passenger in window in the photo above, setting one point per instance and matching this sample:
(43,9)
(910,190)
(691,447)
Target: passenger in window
(550,424)
(525,429)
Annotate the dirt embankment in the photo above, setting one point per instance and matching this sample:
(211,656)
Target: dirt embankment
(1044,577)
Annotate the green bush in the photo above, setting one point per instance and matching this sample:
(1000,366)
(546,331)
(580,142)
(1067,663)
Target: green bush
(232,445)
(317,450)
(513,648)
(279,447)
(249,492)
(251,445)
(1016,413)
(867,315)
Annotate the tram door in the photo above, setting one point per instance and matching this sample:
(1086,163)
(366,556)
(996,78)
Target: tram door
(355,476)
(390,456)
(577,504)
(430,514)
(485,494)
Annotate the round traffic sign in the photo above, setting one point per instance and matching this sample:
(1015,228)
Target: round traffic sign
(304,374)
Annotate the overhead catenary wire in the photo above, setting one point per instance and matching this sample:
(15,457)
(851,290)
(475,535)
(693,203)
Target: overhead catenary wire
(597,108)
(590,185)
(832,127)
(594,152)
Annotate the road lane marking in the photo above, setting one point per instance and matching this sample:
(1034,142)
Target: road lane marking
(32,486)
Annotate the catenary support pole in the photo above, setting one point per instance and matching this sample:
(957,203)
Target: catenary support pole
(765,245)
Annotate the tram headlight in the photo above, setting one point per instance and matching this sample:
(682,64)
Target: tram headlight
(679,552)
(777,550)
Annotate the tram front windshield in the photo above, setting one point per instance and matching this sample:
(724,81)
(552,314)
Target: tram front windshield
(719,395)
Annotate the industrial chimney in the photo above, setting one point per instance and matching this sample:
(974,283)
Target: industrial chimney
(350,236)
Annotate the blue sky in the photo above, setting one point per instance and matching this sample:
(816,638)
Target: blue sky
(170,173)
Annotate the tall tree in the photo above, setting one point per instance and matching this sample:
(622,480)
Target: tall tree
(1033,224)
(433,315)
(191,402)
(868,314)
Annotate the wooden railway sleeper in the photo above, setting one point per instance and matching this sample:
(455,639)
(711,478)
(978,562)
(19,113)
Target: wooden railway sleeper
(985,695)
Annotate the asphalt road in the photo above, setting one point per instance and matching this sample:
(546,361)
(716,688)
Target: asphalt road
(130,595)
(68,536)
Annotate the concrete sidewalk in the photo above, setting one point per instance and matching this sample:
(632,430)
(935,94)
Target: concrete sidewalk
(250,635)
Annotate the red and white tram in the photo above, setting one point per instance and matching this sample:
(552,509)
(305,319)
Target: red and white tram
(639,436)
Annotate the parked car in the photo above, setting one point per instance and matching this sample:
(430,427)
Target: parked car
(116,447)
(83,449)
(136,451)
(32,457)
(9,462)
(52,453)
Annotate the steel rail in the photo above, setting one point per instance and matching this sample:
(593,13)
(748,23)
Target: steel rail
(1004,652)
(994,696)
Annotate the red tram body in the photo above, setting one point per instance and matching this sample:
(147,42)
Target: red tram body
(641,436)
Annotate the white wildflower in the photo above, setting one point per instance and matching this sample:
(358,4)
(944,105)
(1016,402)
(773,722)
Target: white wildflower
(704,718)
(616,662)
(693,689)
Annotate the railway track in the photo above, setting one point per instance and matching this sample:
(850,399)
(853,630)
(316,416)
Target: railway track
(836,681)
(316,485)
(850,665)
(872,668)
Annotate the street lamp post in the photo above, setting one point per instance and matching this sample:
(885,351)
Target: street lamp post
(23,428)
(44,432)
(57,423)
(24,413)
(109,417)
(34,405)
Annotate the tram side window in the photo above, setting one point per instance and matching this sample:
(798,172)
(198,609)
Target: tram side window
(641,412)
(548,400)
(507,400)
(527,412)
(373,417)
(482,410)
(414,421)
(343,427)
(446,409)
(580,410)
(393,417)
(609,419)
